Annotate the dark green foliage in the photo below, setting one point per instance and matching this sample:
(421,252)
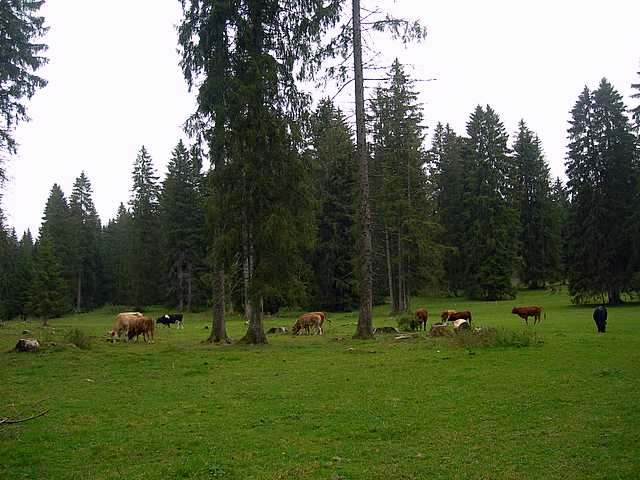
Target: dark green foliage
(85,236)
(182,225)
(449,174)
(635,112)
(79,338)
(603,190)
(8,267)
(402,205)
(49,293)
(540,240)
(492,227)
(249,108)
(334,285)
(144,255)
(20,57)
(115,253)
(560,213)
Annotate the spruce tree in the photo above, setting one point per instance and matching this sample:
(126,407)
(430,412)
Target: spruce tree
(24,271)
(49,293)
(56,229)
(490,252)
(540,245)
(402,211)
(145,233)
(250,107)
(335,188)
(635,112)
(85,228)
(449,172)
(21,57)
(116,252)
(182,225)
(602,187)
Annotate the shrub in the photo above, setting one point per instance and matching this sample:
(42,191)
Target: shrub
(405,323)
(495,337)
(79,338)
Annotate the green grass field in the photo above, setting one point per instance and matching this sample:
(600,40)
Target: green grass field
(311,407)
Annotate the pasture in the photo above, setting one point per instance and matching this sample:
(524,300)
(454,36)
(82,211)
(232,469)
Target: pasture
(312,407)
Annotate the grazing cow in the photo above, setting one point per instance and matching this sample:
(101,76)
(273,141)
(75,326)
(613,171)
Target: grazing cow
(526,312)
(453,315)
(422,315)
(122,322)
(460,325)
(600,317)
(141,326)
(171,318)
(306,321)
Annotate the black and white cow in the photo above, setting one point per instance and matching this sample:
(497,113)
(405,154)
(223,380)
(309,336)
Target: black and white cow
(600,317)
(170,318)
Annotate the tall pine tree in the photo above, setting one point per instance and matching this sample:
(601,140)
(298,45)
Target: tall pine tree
(540,243)
(335,188)
(491,247)
(403,214)
(146,283)
(602,187)
(85,228)
(182,226)
(116,252)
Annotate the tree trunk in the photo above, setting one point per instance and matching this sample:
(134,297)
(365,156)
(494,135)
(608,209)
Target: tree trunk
(246,276)
(219,326)
(389,271)
(255,333)
(614,297)
(79,292)
(364,329)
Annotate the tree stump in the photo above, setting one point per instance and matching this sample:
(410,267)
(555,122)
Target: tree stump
(26,345)
(438,330)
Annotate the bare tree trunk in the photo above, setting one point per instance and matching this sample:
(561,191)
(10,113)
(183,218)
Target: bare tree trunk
(364,329)
(255,333)
(246,276)
(219,326)
(401,305)
(79,292)
(389,270)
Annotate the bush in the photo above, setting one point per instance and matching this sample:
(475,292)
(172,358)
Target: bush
(495,337)
(406,323)
(79,338)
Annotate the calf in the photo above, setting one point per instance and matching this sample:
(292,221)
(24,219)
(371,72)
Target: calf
(526,312)
(171,318)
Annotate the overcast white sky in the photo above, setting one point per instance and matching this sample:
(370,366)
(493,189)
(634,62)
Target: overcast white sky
(115,83)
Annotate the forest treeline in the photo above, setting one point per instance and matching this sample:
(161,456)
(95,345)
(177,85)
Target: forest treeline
(294,208)
(475,213)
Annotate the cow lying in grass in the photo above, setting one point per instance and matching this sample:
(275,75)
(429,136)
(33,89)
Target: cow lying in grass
(526,312)
(171,318)
(307,321)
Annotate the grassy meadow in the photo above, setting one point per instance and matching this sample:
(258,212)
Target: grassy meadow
(311,407)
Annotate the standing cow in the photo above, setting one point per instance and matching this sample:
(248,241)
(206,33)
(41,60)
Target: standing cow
(526,312)
(171,318)
(420,319)
(600,317)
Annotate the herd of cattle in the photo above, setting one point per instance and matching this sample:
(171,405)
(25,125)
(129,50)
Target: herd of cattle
(131,325)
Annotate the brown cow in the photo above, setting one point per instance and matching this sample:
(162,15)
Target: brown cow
(453,315)
(526,312)
(122,322)
(144,326)
(323,317)
(306,321)
(422,315)
(444,316)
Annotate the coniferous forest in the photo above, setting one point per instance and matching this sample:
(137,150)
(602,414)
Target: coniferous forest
(263,207)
